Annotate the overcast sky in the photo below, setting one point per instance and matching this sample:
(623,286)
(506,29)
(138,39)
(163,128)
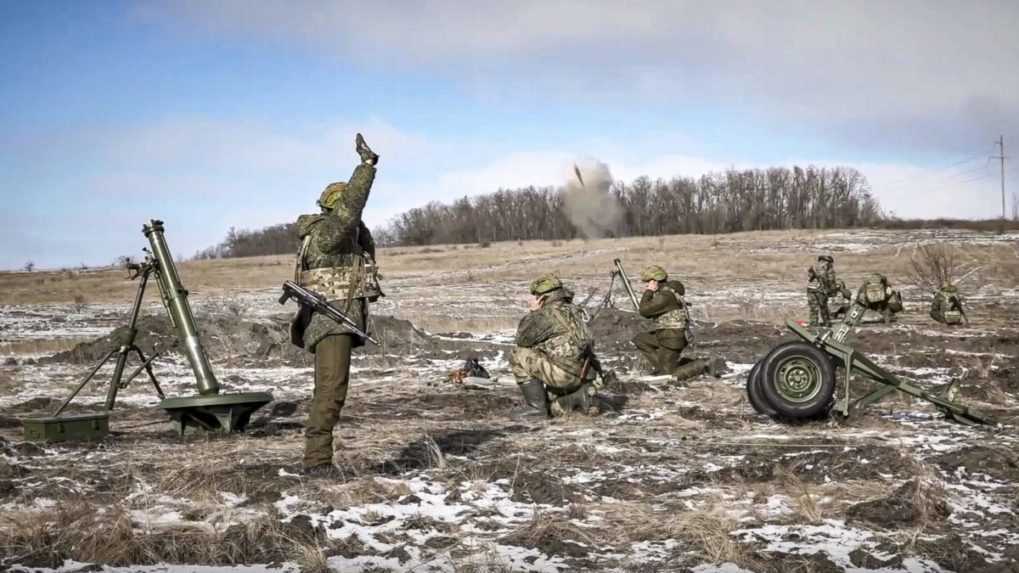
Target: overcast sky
(237,113)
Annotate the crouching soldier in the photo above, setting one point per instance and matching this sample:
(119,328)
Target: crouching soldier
(336,260)
(877,294)
(663,345)
(553,360)
(946,307)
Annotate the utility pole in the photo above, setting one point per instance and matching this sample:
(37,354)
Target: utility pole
(1001,156)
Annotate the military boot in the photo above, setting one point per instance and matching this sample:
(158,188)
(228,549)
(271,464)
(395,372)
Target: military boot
(691,369)
(577,401)
(717,367)
(535,397)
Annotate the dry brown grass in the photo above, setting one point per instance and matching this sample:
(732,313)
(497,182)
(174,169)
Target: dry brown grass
(82,531)
(710,530)
(806,502)
(543,529)
(929,505)
(362,491)
(703,260)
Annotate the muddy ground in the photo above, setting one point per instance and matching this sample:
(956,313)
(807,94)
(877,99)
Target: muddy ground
(440,476)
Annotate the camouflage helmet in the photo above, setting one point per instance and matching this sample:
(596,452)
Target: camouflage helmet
(331,194)
(826,258)
(545,284)
(653,273)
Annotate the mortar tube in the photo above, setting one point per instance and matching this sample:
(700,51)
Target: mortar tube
(176,297)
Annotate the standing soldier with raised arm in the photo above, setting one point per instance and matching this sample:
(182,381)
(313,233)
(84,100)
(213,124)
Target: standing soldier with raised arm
(336,260)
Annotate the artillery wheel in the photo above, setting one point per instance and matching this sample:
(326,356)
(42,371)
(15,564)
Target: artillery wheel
(754,393)
(798,380)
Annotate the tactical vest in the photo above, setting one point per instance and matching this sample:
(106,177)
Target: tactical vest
(677,318)
(575,343)
(356,277)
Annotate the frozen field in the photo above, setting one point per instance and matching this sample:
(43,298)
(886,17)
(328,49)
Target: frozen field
(442,477)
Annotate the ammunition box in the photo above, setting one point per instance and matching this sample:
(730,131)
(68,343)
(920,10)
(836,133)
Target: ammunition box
(80,428)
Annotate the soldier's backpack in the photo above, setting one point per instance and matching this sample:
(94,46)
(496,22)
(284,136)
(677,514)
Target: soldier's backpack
(875,289)
(950,306)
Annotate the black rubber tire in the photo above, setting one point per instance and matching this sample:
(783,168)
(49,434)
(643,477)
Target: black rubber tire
(754,394)
(796,360)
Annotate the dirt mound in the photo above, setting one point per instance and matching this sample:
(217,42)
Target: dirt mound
(223,336)
(915,502)
(229,337)
(999,464)
(613,328)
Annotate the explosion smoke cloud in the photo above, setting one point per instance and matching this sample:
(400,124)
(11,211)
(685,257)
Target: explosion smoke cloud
(590,205)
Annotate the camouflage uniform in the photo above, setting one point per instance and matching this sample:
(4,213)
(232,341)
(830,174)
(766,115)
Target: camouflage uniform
(337,260)
(817,299)
(663,345)
(553,347)
(876,294)
(947,305)
(822,286)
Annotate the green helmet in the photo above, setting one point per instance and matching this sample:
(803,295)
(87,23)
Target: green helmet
(545,284)
(331,194)
(653,273)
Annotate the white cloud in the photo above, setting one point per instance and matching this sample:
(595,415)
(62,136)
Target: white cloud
(928,74)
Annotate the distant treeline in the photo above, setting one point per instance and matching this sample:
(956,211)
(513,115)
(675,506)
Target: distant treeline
(736,200)
(747,200)
(274,240)
(970,224)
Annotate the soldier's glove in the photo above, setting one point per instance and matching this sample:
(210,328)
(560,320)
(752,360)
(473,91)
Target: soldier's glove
(367,155)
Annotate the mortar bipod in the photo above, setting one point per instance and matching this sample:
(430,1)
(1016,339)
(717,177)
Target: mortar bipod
(127,346)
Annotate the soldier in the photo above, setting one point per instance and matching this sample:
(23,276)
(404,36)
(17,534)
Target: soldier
(843,306)
(817,299)
(878,295)
(553,360)
(337,260)
(946,307)
(822,286)
(662,346)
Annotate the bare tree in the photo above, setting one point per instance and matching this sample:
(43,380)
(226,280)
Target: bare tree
(936,264)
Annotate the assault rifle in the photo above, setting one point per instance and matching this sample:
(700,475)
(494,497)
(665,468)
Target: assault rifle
(318,303)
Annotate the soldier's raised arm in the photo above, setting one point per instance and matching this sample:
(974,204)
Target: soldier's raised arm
(657,303)
(349,203)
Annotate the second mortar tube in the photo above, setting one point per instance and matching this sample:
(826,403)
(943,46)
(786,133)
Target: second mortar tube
(175,298)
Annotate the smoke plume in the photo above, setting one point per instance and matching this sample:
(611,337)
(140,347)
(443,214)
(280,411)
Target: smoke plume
(592,209)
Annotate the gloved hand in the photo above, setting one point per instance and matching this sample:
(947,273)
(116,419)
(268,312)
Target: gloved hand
(367,155)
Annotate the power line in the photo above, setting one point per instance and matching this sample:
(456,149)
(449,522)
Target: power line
(1001,156)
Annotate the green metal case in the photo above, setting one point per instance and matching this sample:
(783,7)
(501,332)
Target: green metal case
(80,428)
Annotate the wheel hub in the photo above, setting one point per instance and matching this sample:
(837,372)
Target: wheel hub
(799,380)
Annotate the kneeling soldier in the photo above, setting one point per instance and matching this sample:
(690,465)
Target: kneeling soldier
(946,307)
(663,345)
(555,351)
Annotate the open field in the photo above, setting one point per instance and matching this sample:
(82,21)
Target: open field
(442,477)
